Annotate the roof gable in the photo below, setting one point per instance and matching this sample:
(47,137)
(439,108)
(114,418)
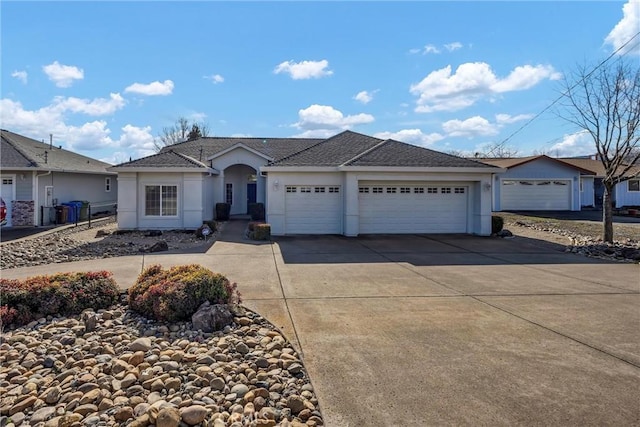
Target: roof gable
(165,159)
(241,146)
(518,161)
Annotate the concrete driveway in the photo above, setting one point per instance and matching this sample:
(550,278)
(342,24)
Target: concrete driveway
(432,330)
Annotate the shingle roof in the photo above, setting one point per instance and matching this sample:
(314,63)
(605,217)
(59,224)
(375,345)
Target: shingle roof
(516,161)
(166,159)
(276,148)
(395,153)
(21,152)
(334,151)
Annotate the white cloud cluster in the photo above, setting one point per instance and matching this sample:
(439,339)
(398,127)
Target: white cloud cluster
(479,126)
(365,96)
(20,75)
(215,78)
(443,90)
(626,29)
(94,107)
(151,89)
(324,120)
(575,144)
(412,136)
(431,48)
(304,69)
(63,75)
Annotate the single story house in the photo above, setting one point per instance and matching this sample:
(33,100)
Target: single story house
(545,183)
(348,184)
(37,176)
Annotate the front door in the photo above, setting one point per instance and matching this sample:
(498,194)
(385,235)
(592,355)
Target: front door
(251,194)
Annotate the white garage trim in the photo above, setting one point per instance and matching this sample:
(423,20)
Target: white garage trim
(535,194)
(8,194)
(398,208)
(313,209)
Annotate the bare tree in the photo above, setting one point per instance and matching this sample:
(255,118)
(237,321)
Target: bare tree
(500,150)
(605,102)
(182,130)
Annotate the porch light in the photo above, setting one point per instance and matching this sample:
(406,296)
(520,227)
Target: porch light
(486,186)
(276,184)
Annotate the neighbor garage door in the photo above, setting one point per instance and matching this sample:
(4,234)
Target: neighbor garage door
(313,209)
(541,195)
(419,208)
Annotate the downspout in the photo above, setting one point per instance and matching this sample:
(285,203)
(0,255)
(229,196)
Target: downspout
(36,198)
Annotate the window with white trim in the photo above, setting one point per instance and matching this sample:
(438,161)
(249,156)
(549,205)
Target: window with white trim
(107,184)
(7,181)
(405,190)
(228,193)
(458,190)
(291,189)
(633,185)
(334,189)
(161,200)
(445,190)
(418,190)
(432,190)
(363,190)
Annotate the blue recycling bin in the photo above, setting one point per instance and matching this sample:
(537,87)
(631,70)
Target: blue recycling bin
(74,211)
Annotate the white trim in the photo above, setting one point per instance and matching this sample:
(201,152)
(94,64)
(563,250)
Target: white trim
(160,169)
(375,169)
(239,145)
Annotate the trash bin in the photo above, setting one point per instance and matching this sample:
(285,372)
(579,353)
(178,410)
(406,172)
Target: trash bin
(72,211)
(83,209)
(61,214)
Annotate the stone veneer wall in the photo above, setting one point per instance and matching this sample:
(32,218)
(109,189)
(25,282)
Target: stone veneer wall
(22,212)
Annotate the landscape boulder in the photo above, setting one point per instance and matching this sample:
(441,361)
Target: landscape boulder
(211,317)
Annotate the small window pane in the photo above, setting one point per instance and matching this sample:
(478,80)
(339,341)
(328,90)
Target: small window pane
(445,190)
(432,190)
(305,189)
(459,190)
(634,185)
(405,190)
(229,194)
(334,189)
(363,189)
(291,189)
(377,189)
(152,200)
(418,190)
(319,189)
(169,200)
(391,189)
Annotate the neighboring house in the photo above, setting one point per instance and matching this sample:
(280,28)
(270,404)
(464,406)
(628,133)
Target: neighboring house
(626,193)
(348,184)
(545,183)
(537,183)
(38,176)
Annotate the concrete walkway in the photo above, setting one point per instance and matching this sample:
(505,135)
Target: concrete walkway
(431,330)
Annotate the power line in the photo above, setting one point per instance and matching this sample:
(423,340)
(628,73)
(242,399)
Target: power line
(548,107)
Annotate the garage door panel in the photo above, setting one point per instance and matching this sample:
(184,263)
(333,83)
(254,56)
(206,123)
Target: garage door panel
(412,211)
(535,195)
(313,210)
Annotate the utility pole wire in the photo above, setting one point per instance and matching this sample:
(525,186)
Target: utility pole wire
(571,88)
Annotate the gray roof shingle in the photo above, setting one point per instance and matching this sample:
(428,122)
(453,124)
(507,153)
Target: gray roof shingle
(21,152)
(333,151)
(395,153)
(166,159)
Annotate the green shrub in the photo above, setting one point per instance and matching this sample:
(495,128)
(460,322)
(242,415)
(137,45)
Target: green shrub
(261,232)
(256,210)
(176,294)
(57,295)
(222,211)
(497,223)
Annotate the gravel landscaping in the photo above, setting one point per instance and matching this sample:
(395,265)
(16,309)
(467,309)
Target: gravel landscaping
(114,368)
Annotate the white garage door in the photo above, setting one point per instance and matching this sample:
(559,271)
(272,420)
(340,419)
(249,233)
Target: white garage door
(7,192)
(313,209)
(420,208)
(540,195)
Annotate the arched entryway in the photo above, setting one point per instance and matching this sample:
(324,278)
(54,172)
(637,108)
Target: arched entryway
(240,188)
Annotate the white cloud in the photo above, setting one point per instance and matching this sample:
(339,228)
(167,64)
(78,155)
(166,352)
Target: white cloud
(473,126)
(414,51)
(575,144)
(365,97)
(508,119)
(20,75)
(197,117)
(411,136)
(453,46)
(151,89)
(94,107)
(443,91)
(305,69)
(430,49)
(63,75)
(625,29)
(215,78)
(317,133)
(324,117)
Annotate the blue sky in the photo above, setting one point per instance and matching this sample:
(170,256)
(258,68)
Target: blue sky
(105,77)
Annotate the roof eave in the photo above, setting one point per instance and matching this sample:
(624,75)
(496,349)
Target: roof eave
(162,169)
(437,169)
